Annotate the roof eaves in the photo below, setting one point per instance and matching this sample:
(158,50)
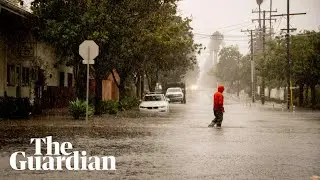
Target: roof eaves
(9,6)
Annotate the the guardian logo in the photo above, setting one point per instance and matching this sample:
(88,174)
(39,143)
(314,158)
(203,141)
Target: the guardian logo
(62,158)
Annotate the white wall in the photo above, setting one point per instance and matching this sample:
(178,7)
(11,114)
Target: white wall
(49,59)
(46,59)
(275,93)
(66,70)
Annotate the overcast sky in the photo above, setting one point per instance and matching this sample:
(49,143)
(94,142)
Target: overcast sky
(211,15)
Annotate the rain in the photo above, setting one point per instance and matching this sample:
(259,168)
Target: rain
(173,89)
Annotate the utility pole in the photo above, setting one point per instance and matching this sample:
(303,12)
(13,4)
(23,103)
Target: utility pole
(252,65)
(238,83)
(270,19)
(264,59)
(262,95)
(259,2)
(289,63)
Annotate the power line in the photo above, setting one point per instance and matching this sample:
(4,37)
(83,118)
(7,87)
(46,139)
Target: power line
(234,40)
(239,28)
(276,30)
(286,19)
(227,35)
(246,22)
(247,26)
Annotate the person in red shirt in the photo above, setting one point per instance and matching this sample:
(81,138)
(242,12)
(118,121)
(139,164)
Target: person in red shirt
(218,108)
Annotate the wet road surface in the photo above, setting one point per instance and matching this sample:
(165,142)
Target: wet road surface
(253,143)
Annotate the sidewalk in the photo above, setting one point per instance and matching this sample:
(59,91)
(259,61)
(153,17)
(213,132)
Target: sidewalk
(247,101)
(270,105)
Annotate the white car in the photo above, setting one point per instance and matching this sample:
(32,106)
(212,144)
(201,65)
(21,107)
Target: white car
(154,103)
(175,94)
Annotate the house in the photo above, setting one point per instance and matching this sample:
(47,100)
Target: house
(110,90)
(29,68)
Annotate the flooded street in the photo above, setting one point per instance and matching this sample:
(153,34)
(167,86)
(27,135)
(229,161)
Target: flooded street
(253,143)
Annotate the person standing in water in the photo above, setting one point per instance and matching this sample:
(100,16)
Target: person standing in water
(218,108)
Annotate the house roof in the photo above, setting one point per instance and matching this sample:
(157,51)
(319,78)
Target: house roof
(13,8)
(116,75)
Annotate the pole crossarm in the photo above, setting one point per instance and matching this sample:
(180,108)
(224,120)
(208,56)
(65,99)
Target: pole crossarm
(266,19)
(266,11)
(290,29)
(292,14)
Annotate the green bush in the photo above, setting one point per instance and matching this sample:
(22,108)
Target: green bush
(110,107)
(128,103)
(113,106)
(15,108)
(78,109)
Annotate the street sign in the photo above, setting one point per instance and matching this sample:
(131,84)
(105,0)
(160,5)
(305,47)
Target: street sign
(86,62)
(88,50)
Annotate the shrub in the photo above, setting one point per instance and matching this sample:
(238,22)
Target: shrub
(78,109)
(113,106)
(110,107)
(15,108)
(127,103)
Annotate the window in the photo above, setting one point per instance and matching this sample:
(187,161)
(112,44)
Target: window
(174,90)
(154,98)
(34,74)
(10,75)
(70,78)
(61,79)
(18,75)
(25,76)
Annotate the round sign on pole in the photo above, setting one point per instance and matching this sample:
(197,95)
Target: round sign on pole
(88,50)
(259,2)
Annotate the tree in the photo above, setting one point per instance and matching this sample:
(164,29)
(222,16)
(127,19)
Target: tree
(61,24)
(306,61)
(245,74)
(170,46)
(134,36)
(227,69)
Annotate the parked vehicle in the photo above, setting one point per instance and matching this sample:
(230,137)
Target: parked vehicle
(175,94)
(154,102)
(180,85)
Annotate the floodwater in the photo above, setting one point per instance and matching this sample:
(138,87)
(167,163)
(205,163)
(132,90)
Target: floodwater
(254,142)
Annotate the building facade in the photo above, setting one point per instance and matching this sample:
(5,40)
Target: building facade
(28,68)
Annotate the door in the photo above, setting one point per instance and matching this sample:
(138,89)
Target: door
(70,79)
